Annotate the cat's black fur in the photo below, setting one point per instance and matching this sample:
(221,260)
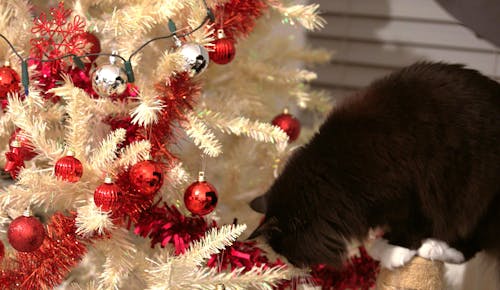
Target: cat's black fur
(416,152)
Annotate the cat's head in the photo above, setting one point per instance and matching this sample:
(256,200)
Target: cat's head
(296,224)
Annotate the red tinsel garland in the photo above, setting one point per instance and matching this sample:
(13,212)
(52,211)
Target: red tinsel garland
(237,17)
(360,272)
(167,225)
(46,267)
(241,255)
(178,96)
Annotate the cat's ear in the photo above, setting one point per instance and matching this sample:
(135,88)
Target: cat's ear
(268,225)
(259,204)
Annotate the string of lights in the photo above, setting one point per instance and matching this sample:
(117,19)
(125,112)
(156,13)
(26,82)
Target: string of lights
(127,62)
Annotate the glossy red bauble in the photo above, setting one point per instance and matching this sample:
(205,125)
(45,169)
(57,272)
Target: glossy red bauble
(87,39)
(9,83)
(223,51)
(289,124)
(200,198)
(68,168)
(146,177)
(27,147)
(26,233)
(108,195)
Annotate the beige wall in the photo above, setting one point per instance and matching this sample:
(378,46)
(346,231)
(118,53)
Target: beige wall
(373,37)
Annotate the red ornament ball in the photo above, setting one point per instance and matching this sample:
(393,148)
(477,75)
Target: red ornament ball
(27,147)
(26,233)
(68,168)
(223,51)
(9,83)
(289,124)
(200,198)
(108,195)
(146,177)
(87,39)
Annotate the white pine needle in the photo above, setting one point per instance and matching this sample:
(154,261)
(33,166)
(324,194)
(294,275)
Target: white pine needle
(202,137)
(186,271)
(120,253)
(133,153)
(5,124)
(146,112)
(212,243)
(306,15)
(102,159)
(34,128)
(79,116)
(262,132)
(178,175)
(91,220)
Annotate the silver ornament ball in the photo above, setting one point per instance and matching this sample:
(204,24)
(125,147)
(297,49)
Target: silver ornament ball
(109,79)
(196,57)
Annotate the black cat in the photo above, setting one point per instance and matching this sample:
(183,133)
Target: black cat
(415,153)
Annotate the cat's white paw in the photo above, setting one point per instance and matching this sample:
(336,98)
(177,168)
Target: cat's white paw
(437,250)
(390,256)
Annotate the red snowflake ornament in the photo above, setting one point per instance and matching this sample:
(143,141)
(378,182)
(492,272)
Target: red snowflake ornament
(53,35)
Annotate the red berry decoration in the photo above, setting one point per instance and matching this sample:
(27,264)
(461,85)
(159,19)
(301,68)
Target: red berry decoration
(146,177)
(87,39)
(107,195)
(223,50)
(200,197)
(26,233)
(68,168)
(9,83)
(289,124)
(27,147)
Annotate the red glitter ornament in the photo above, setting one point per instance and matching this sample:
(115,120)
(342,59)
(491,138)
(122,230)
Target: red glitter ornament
(289,124)
(107,195)
(27,147)
(223,50)
(200,197)
(26,233)
(47,267)
(87,42)
(9,83)
(146,177)
(68,168)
